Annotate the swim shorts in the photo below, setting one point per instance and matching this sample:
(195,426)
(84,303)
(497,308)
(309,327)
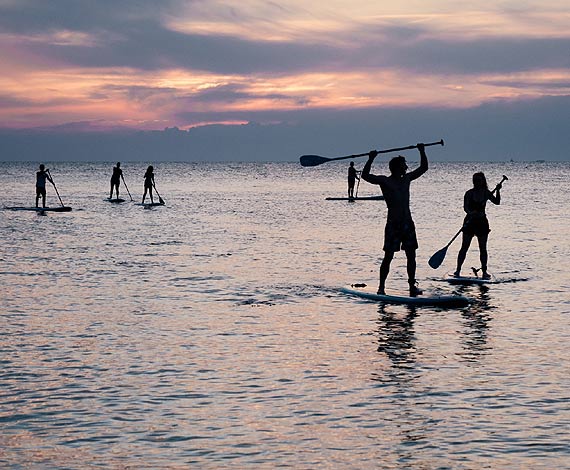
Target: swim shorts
(400,235)
(476,226)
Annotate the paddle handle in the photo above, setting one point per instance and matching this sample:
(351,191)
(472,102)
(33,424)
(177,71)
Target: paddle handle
(500,183)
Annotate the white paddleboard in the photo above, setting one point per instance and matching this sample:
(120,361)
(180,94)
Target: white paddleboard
(437,300)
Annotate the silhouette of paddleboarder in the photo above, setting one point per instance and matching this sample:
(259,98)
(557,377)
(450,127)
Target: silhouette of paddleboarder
(400,231)
(352,177)
(148,183)
(116,180)
(41,177)
(475,223)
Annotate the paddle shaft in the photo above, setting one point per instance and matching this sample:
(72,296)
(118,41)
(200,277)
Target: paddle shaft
(128,192)
(55,187)
(314,160)
(157,193)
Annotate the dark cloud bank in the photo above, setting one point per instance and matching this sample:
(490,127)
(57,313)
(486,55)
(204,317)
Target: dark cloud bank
(524,131)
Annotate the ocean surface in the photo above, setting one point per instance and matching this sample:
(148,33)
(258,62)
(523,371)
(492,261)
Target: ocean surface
(211,333)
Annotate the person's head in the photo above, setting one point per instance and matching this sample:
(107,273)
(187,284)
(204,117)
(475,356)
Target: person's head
(118,164)
(42,167)
(351,163)
(150,169)
(398,165)
(479,180)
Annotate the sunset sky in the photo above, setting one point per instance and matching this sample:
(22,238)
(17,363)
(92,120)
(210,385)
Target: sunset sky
(152,64)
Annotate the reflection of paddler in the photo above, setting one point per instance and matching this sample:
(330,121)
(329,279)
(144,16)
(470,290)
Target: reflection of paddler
(476,223)
(116,179)
(352,177)
(41,177)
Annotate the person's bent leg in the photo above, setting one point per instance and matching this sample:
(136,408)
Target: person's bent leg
(144,195)
(384,271)
(150,194)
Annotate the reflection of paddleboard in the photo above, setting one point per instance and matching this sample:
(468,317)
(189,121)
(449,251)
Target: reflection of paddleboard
(41,209)
(469,279)
(359,198)
(370,294)
(116,200)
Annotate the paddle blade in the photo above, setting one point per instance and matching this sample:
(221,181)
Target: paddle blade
(312,160)
(437,258)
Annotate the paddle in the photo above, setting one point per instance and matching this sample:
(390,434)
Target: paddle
(159,198)
(55,187)
(314,160)
(438,257)
(129,193)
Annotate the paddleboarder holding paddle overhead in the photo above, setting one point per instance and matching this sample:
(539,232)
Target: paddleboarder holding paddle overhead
(476,223)
(400,231)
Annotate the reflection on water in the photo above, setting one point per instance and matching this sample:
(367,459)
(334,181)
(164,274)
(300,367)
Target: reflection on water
(477,321)
(396,336)
(210,332)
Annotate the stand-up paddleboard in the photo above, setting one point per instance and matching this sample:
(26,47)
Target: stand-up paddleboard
(151,204)
(358,198)
(41,209)
(115,200)
(465,280)
(362,291)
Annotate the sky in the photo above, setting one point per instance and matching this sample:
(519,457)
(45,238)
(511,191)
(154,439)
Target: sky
(323,74)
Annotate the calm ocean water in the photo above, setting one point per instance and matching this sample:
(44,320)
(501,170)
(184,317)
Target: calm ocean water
(210,333)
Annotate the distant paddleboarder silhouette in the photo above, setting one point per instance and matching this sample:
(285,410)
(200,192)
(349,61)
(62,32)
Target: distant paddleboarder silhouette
(116,180)
(41,177)
(148,183)
(352,177)
(400,231)
(476,223)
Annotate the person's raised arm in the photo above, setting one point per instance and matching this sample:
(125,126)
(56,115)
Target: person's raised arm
(366,175)
(496,197)
(419,171)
